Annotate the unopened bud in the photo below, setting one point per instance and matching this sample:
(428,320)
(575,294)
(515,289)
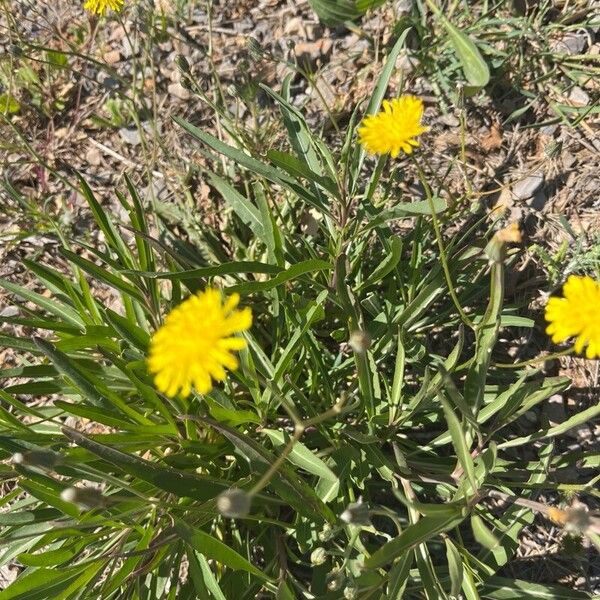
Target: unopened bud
(360,341)
(45,459)
(496,248)
(234,503)
(356,513)
(84,497)
(255,49)
(182,64)
(326,533)
(335,580)
(318,556)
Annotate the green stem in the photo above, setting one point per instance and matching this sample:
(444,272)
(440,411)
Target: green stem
(440,243)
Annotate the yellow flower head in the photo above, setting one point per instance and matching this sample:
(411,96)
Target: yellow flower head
(395,128)
(194,345)
(576,315)
(101,6)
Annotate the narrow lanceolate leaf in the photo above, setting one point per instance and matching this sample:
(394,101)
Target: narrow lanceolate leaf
(307,266)
(474,67)
(423,530)
(184,485)
(41,584)
(216,550)
(240,205)
(58,309)
(460,443)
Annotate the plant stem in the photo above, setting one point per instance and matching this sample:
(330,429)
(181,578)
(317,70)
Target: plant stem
(440,243)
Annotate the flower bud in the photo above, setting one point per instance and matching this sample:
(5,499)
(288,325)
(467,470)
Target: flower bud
(84,497)
(326,533)
(360,341)
(182,64)
(335,580)
(318,556)
(45,459)
(255,49)
(496,248)
(356,513)
(234,503)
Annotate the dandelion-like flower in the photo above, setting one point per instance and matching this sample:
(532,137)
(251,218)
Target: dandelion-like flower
(395,128)
(195,343)
(101,6)
(576,314)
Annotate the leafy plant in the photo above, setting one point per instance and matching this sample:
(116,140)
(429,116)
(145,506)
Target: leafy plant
(365,441)
(334,12)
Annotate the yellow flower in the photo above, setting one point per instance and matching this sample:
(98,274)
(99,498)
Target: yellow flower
(194,345)
(101,6)
(395,128)
(576,315)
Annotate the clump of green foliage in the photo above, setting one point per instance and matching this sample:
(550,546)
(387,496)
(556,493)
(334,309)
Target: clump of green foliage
(367,435)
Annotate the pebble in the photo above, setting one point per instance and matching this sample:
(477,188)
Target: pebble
(9,311)
(538,201)
(572,43)
(579,97)
(130,136)
(177,90)
(94,157)
(526,188)
(112,57)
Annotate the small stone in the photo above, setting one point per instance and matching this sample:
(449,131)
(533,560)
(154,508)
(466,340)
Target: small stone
(572,43)
(309,53)
(177,90)
(568,159)
(10,311)
(130,48)
(549,129)
(93,157)
(404,6)
(579,97)
(449,119)
(538,201)
(407,62)
(112,57)
(130,136)
(526,188)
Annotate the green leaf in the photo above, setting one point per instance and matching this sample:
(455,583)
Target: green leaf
(242,207)
(286,483)
(213,549)
(423,530)
(459,442)
(296,168)
(304,458)
(231,268)
(57,309)
(455,567)
(9,104)
(499,588)
(483,534)
(474,67)
(293,272)
(245,160)
(182,484)
(41,584)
